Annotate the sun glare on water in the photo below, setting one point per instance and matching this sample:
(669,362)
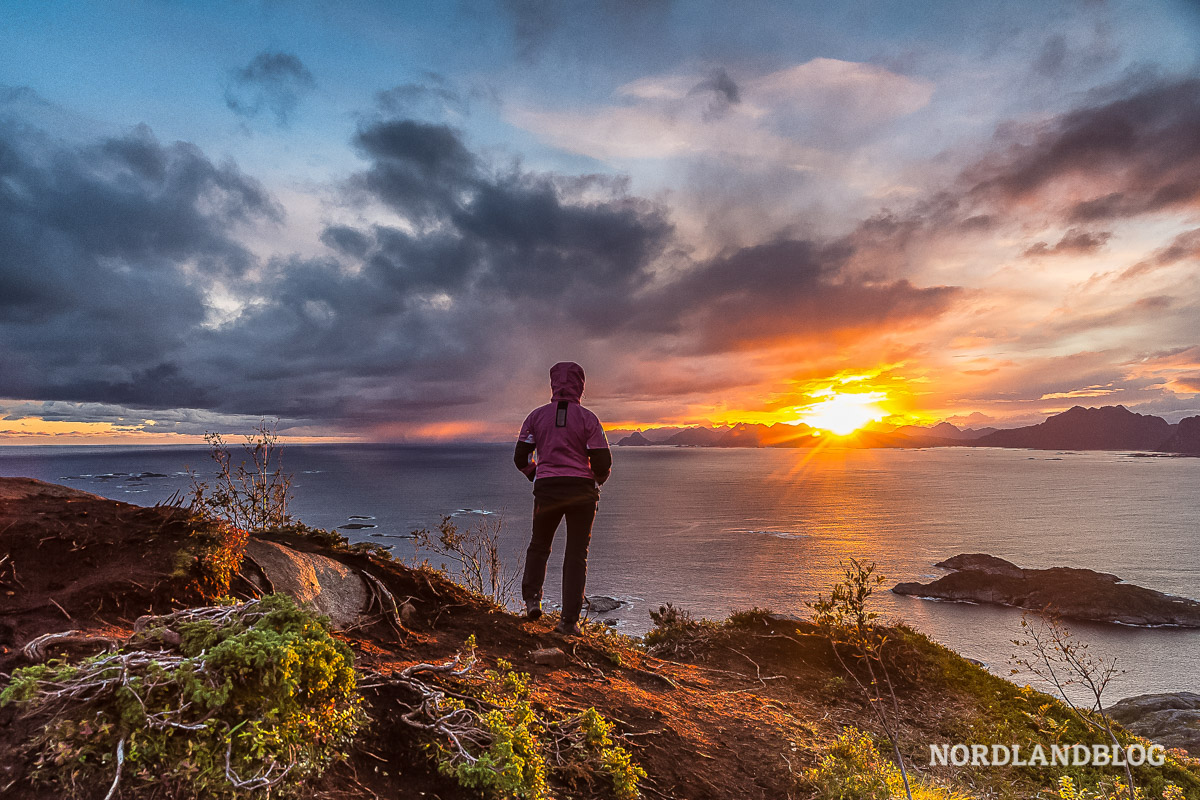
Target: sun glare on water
(843,414)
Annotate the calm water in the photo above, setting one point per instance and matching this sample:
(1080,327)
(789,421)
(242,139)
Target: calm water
(718,530)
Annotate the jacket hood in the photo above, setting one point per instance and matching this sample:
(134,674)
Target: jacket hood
(566,381)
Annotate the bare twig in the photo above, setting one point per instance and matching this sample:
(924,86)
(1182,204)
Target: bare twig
(35,649)
(112,790)
(60,608)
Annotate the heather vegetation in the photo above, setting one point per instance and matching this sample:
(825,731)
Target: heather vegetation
(222,701)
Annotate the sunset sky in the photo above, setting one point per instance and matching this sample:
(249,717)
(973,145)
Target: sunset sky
(385,221)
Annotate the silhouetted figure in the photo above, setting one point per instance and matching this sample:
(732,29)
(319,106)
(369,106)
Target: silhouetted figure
(572,460)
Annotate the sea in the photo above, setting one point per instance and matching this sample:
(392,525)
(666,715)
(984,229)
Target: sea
(717,530)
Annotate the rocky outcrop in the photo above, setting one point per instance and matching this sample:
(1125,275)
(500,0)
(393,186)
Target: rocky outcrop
(599,604)
(333,588)
(981,562)
(1172,719)
(635,439)
(1073,593)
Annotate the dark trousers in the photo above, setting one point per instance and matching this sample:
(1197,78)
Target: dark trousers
(548,512)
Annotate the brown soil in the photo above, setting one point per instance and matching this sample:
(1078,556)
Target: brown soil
(75,561)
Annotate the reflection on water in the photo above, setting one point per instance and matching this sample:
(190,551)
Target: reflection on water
(717,530)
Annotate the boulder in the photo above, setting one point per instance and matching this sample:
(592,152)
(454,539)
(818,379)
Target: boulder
(1073,593)
(602,605)
(1170,719)
(549,657)
(330,586)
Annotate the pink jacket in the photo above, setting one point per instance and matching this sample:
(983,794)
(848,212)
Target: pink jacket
(562,431)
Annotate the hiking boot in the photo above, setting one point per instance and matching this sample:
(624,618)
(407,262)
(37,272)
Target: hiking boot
(533,611)
(568,628)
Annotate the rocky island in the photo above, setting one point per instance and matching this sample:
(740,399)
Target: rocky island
(1081,594)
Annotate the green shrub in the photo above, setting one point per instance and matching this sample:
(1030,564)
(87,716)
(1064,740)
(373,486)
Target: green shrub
(615,646)
(512,764)
(257,698)
(489,737)
(853,769)
(212,557)
(1111,789)
(614,759)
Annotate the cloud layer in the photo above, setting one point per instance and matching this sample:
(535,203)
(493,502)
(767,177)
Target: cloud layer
(1052,261)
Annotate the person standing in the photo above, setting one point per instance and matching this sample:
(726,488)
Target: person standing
(563,450)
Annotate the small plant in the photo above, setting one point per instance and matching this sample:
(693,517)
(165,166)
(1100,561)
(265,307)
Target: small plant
(1055,656)
(615,760)
(1113,789)
(474,556)
(835,685)
(751,619)
(613,645)
(251,497)
(853,769)
(512,765)
(211,557)
(676,632)
(489,736)
(254,696)
(844,618)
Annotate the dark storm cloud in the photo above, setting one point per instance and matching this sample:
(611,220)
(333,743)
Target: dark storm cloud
(273,82)
(103,252)
(526,236)
(1128,155)
(418,168)
(109,251)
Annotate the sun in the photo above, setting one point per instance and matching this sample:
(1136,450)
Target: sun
(843,414)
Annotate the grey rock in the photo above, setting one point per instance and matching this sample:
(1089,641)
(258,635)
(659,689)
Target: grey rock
(1170,719)
(408,614)
(549,657)
(333,588)
(602,605)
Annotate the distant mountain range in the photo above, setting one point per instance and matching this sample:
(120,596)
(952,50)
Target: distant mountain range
(1079,428)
